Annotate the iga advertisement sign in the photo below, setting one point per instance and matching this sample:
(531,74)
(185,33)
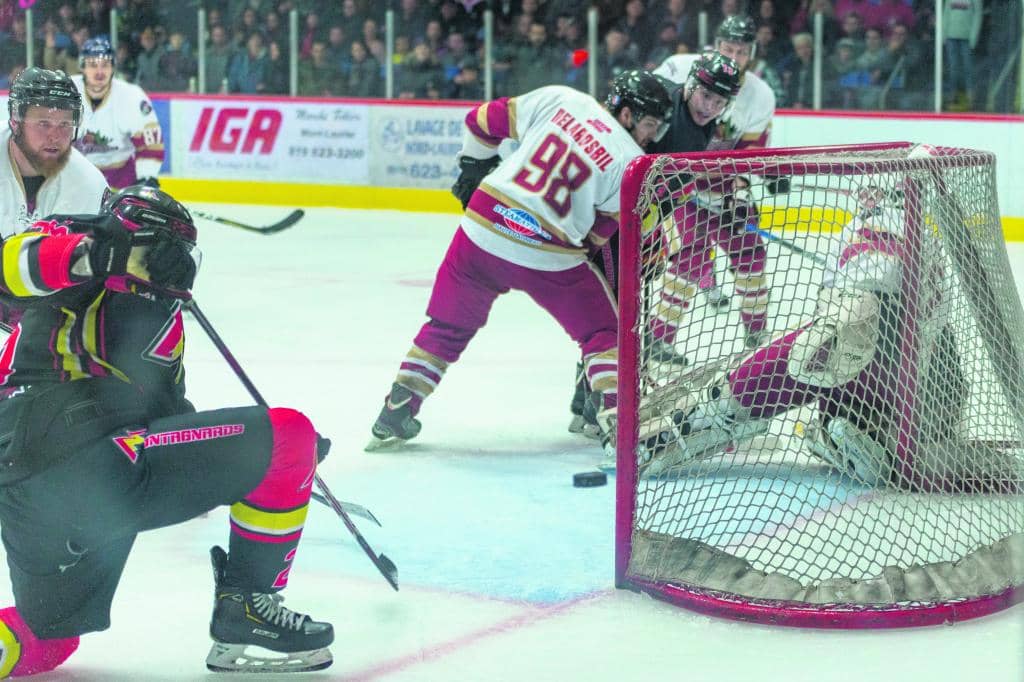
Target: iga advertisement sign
(414,146)
(272,140)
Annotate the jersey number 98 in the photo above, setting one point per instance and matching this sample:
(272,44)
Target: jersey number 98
(554,173)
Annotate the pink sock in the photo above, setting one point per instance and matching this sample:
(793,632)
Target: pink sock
(35,655)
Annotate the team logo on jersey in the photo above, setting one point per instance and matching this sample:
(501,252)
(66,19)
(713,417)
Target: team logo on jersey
(52,227)
(520,225)
(94,142)
(166,348)
(145,107)
(131,444)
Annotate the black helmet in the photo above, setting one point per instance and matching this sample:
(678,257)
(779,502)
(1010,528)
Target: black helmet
(643,93)
(737,29)
(43,88)
(142,208)
(715,73)
(96,48)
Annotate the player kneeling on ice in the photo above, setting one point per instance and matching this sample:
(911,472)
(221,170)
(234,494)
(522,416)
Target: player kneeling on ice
(101,444)
(529,223)
(847,358)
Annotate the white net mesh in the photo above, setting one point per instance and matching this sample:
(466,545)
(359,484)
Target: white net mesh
(843,423)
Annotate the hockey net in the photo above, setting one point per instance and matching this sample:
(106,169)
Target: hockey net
(774,526)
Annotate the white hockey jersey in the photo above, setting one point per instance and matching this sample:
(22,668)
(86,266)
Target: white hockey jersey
(868,254)
(748,122)
(562,182)
(78,188)
(122,135)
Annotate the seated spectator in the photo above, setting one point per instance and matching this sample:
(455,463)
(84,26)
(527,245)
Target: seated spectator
(636,25)
(13,46)
(273,30)
(906,72)
(124,63)
(455,50)
(245,25)
(466,83)
(433,34)
(363,78)
(803,20)
(684,16)
(177,65)
(420,76)
(318,77)
(351,20)
(616,56)
(277,80)
(898,12)
(844,78)
(370,31)
(768,46)
(96,16)
(873,57)
(218,58)
(852,27)
(249,67)
(536,64)
(147,61)
(411,19)
(339,46)
(308,34)
(767,14)
(797,74)
(665,47)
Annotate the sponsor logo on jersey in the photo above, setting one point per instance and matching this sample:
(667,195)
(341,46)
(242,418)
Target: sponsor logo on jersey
(599,126)
(520,225)
(131,444)
(235,130)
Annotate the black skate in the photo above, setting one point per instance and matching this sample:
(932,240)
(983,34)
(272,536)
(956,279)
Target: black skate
(395,424)
(663,352)
(755,340)
(253,632)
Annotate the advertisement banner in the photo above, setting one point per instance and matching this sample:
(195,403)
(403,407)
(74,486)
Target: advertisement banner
(415,146)
(270,140)
(162,109)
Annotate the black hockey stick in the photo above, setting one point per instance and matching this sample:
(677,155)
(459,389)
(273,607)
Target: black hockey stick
(386,567)
(289,220)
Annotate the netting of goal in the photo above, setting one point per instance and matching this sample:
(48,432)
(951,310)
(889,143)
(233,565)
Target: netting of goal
(775,525)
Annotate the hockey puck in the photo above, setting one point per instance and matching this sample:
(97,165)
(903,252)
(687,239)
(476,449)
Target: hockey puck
(589,479)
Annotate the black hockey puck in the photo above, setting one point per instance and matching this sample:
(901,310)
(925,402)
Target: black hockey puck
(589,479)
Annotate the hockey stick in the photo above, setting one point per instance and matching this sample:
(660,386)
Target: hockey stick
(289,220)
(386,567)
(817,258)
(351,507)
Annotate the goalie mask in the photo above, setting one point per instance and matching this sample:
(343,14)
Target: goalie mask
(643,93)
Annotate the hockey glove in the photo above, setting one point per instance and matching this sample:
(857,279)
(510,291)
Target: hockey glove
(110,248)
(471,174)
(323,446)
(170,264)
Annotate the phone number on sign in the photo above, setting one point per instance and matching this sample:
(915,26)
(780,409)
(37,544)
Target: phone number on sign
(326,152)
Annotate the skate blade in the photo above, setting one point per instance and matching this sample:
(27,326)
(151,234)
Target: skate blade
(233,658)
(577,424)
(391,443)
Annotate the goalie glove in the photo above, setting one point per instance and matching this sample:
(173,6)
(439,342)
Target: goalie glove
(471,174)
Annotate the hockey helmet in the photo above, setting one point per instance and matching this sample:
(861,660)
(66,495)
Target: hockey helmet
(716,73)
(142,208)
(44,88)
(96,48)
(737,29)
(644,94)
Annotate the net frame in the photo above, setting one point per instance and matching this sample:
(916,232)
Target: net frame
(787,612)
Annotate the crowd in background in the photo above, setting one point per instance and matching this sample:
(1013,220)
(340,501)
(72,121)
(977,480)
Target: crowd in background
(877,53)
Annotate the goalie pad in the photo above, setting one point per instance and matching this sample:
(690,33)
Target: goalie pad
(855,452)
(840,342)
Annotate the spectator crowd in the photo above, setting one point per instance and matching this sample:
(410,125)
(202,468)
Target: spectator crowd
(876,53)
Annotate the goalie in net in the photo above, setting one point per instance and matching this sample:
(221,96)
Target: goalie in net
(850,359)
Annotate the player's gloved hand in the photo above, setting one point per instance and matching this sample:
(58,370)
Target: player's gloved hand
(169,263)
(471,173)
(149,182)
(776,184)
(323,446)
(110,248)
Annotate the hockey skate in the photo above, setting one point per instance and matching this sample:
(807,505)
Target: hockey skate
(717,299)
(754,340)
(579,401)
(395,424)
(663,352)
(253,632)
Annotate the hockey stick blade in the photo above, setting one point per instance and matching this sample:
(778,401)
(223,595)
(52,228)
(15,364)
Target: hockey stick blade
(785,243)
(351,507)
(289,220)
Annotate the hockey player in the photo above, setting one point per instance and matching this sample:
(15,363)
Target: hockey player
(529,223)
(746,125)
(712,84)
(120,132)
(40,172)
(847,358)
(101,444)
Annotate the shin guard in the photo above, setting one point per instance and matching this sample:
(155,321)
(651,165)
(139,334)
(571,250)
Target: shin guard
(267,524)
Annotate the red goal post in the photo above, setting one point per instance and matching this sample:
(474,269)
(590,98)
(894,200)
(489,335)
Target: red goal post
(767,530)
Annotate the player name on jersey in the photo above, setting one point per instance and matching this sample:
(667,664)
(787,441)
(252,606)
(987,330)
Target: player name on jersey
(579,133)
